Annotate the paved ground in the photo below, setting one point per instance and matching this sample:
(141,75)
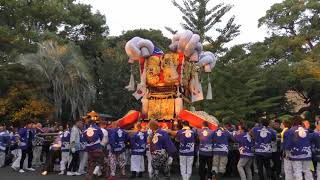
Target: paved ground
(9,174)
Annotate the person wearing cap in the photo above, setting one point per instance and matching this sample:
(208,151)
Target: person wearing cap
(162,149)
(187,139)
(138,144)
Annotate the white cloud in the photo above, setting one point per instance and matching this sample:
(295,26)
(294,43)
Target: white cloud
(125,15)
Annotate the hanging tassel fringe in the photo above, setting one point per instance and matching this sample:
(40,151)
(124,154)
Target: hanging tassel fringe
(209,92)
(131,86)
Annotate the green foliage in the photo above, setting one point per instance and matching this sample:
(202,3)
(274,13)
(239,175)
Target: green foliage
(68,76)
(25,23)
(241,87)
(21,96)
(254,78)
(19,104)
(115,73)
(295,42)
(201,19)
(155,36)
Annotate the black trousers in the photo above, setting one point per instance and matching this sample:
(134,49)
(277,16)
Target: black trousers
(51,158)
(74,164)
(276,159)
(205,173)
(24,155)
(264,161)
(233,158)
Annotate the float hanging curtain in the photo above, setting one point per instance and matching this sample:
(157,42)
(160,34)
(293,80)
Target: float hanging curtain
(131,86)
(209,92)
(196,89)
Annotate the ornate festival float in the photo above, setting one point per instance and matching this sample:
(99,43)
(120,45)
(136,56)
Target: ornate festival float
(169,80)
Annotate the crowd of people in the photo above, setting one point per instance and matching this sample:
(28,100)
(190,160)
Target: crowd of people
(272,149)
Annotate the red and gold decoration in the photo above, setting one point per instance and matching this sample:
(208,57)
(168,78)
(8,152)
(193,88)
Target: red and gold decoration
(167,80)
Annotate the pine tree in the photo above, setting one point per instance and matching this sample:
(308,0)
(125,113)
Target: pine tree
(201,19)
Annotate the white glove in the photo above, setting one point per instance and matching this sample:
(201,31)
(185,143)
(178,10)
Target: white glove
(170,159)
(73,150)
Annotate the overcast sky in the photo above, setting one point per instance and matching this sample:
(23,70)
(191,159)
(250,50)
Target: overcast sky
(122,15)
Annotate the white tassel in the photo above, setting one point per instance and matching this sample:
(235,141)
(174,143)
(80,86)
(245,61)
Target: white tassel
(178,104)
(143,76)
(131,86)
(209,92)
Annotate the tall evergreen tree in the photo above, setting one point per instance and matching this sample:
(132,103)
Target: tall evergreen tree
(294,25)
(200,18)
